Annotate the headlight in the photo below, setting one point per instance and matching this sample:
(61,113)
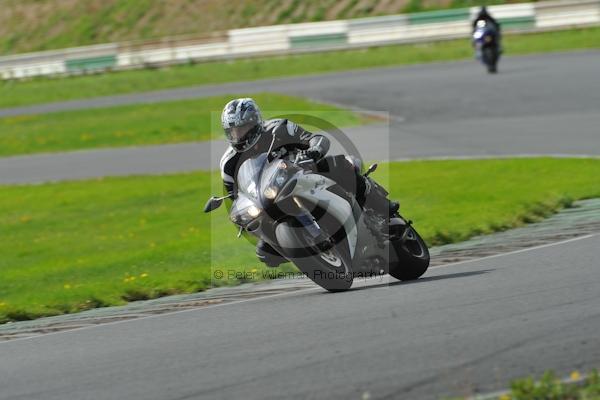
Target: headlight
(280,180)
(270,192)
(253,211)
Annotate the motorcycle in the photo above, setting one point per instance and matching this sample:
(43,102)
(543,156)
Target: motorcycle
(320,227)
(486,42)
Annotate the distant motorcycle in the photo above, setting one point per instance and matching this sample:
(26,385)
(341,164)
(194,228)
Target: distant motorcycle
(310,220)
(486,39)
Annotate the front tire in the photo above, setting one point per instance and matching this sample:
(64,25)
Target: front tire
(329,269)
(490,58)
(412,256)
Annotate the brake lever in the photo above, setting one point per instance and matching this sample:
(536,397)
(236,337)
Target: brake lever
(300,161)
(297,159)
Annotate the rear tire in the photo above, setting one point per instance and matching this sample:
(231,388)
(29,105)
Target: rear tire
(331,270)
(412,256)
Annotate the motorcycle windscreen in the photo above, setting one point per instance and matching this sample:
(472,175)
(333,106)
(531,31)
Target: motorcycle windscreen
(248,176)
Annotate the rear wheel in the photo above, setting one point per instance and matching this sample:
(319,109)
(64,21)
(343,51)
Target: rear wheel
(329,269)
(412,255)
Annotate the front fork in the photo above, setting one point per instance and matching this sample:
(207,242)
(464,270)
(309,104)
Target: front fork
(478,50)
(320,240)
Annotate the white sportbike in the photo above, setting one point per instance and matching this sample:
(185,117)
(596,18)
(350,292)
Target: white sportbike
(320,227)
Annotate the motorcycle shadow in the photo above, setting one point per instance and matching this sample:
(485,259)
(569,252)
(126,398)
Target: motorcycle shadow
(426,279)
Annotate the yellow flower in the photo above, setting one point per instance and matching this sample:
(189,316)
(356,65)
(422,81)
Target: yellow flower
(253,270)
(505,397)
(67,286)
(144,275)
(2,304)
(575,376)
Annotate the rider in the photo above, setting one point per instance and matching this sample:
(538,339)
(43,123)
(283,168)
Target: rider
(483,15)
(248,135)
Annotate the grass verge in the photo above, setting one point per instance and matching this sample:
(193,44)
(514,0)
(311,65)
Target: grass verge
(71,246)
(549,387)
(159,123)
(42,90)
(552,388)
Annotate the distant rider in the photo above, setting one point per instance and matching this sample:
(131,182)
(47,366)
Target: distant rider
(483,15)
(249,135)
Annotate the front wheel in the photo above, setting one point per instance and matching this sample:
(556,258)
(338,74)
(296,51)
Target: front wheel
(490,58)
(412,255)
(330,269)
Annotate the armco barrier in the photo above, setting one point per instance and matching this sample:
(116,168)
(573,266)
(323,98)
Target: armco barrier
(258,40)
(326,39)
(433,17)
(304,37)
(511,16)
(91,63)
(391,29)
(388,21)
(134,55)
(552,14)
(51,62)
(28,70)
(517,23)
(318,34)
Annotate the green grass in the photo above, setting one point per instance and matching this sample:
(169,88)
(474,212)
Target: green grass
(15,93)
(169,122)
(549,387)
(76,245)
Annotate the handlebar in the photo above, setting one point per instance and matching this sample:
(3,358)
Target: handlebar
(299,159)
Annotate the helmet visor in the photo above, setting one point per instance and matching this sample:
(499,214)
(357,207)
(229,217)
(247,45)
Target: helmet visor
(239,134)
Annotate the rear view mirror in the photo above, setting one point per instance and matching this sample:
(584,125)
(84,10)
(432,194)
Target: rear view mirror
(212,204)
(371,169)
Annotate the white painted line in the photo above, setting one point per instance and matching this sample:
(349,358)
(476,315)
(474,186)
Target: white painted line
(286,294)
(510,253)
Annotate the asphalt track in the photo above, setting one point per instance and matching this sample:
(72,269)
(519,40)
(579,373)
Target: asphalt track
(463,328)
(542,104)
(466,327)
